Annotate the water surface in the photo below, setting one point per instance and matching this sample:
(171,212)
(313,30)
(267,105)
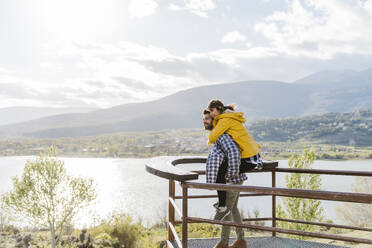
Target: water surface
(124,186)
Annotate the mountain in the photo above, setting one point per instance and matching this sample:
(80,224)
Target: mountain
(345,129)
(259,99)
(326,77)
(335,91)
(351,128)
(13,115)
(351,91)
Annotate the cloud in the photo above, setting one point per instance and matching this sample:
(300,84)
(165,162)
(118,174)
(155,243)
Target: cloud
(76,92)
(96,83)
(197,7)
(133,84)
(306,37)
(4,71)
(12,89)
(233,37)
(124,66)
(321,29)
(22,94)
(142,8)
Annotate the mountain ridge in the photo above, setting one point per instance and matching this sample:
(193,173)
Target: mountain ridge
(259,99)
(18,114)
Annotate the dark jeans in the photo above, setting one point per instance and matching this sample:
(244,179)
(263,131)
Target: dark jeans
(245,165)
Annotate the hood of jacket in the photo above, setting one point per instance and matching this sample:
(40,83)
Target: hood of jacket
(233,115)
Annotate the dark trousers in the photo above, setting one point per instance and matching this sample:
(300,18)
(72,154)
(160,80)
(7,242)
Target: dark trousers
(245,166)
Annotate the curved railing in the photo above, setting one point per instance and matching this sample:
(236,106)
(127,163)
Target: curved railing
(165,167)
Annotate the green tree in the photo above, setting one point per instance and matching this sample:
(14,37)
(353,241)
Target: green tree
(46,196)
(357,214)
(298,208)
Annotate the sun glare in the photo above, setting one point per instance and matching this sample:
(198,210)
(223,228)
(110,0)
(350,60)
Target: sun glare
(81,19)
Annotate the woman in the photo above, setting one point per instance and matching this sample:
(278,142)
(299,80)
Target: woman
(226,120)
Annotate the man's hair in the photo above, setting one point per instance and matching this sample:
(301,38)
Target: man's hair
(206,112)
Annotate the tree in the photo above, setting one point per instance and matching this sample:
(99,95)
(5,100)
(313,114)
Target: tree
(357,214)
(298,208)
(4,219)
(47,196)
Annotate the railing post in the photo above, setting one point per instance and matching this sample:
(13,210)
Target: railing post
(171,217)
(184,216)
(273,184)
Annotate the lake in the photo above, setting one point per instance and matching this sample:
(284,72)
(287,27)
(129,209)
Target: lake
(124,186)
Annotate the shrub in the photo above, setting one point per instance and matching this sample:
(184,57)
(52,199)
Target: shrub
(201,230)
(122,228)
(105,240)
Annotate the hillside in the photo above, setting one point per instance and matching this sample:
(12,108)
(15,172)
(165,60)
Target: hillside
(323,92)
(13,115)
(348,133)
(353,128)
(259,99)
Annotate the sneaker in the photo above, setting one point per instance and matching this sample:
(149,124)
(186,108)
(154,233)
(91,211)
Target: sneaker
(216,205)
(239,243)
(259,167)
(221,213)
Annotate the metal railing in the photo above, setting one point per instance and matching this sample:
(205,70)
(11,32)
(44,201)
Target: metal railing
(254,191)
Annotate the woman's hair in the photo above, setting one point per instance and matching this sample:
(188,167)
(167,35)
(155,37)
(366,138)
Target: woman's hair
(219,106)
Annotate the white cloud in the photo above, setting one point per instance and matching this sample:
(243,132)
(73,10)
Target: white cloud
(174,7)
(321,29)
(233,37)
(121,71)
(4,71)
(18,92)
(112,74)
(197,7)
(307,37)
(142,8)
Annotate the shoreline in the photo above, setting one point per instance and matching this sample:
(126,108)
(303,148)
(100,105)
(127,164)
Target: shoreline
(266,158)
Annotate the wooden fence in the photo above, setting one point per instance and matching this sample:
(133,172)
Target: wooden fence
(165,167)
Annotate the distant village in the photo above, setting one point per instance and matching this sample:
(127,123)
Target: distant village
(162,143)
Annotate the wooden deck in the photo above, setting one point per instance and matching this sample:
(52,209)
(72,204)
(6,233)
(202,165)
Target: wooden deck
(264,242)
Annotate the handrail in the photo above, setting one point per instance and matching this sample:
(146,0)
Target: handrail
(165,167)
(325,224)
(282,230)
(298,193)
(326,172)
(215,196)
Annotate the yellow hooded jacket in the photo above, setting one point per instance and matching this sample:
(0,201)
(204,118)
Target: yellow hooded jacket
(232,124)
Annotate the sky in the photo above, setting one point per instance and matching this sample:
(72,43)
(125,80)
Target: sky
(103,53)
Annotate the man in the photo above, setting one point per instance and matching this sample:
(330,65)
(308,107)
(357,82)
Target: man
(225,155)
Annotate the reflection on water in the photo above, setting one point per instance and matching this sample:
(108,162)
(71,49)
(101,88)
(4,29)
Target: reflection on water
(124,186)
